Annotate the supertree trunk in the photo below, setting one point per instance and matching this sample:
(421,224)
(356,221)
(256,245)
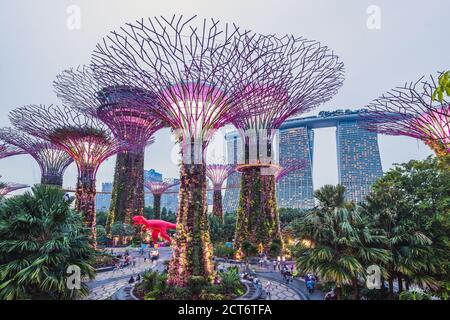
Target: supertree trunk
(192,248)
(217,204)
(269,213)
(257,214)
(52,179)
(85,203)
(249,207)
(157,206)
(127,197)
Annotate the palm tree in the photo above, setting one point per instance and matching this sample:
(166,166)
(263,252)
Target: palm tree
(343,242)
(40,237)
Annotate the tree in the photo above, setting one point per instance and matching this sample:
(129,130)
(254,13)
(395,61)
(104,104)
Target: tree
(344,244)
(40,236)
(411,205)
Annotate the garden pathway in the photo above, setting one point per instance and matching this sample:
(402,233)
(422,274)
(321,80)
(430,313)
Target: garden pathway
(106,284)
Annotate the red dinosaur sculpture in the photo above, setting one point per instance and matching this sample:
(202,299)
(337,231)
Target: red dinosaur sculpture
(158,227)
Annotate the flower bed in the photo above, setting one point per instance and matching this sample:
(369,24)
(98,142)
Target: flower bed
(154,287)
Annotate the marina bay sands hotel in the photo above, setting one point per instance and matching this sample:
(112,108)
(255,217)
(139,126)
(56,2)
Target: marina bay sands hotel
(358,158)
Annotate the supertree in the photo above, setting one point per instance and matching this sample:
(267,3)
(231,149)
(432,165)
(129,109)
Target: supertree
(192,69)
(410,110)
(122,109)
(52,159)
(280,172)
(157,188)
(10,187)
(87,140)
(218,173)
(309,74)
(8,150)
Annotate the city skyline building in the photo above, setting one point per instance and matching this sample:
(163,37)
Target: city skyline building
(358,158)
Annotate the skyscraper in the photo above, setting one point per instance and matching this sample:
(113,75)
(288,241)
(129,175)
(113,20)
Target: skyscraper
(103,200)
(296,189)
(359,162)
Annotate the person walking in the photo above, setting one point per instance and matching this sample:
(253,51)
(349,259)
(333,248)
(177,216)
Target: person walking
(268,290)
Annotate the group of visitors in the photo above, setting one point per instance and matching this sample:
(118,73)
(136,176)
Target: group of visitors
(124,260)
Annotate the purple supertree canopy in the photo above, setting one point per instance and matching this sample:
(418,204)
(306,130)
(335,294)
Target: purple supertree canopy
(409,110)
(122,108)
(52,159)
(10,187)
(281,172)
(8,150)
(307,75)
(191,68)
(87,140)
(218,173)
(158,188)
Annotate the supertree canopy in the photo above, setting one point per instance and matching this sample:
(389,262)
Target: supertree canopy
(123,109)
(410,110)
(307,75)
(157,188)
(281,172)
(218,173)
(51,158)
(8,150)
(192,68)
(87,140)
(10,187)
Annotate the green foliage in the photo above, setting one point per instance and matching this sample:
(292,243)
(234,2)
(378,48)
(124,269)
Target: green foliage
(415,295)
(275,248)
(443,87)
(197,283)
(40,236)
(221,250)
(102,239)
(222,231)
(154,287)
(101,218)
(230,280)
(403,226)
(103,259)
(122,229)
(411,206)
(249,249)
(344,245)
(288,215)
(166,215)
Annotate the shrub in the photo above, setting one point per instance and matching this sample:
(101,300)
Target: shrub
(275,248)
(230,280)
(221,250)
(197,283)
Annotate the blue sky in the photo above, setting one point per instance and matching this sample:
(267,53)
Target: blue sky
(36,44)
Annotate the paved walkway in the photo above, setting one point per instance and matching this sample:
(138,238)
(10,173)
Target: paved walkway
(106,284)
(279,291)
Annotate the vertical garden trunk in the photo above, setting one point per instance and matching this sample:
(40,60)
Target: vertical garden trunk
(258,220)
(248,207)
(192,248)
(217,203)
(85,203)
(157,206)
(52,179)
(127,199)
